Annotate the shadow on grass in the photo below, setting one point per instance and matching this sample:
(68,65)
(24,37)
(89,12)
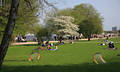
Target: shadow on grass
(16,60)
(113,67)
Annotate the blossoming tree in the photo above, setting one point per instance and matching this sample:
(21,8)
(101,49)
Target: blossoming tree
(63,25)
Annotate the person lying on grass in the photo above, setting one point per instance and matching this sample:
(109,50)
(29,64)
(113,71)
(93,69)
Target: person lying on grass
(55,48)
(49,48)
(51,44)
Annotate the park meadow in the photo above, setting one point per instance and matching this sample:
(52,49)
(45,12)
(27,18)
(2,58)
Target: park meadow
(77,57)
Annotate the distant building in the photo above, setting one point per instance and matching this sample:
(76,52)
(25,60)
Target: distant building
(114,28)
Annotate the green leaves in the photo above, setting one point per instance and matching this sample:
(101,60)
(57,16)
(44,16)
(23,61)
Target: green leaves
(92,23)
(26,18)
(88,19)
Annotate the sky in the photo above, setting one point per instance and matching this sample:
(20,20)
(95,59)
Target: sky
(109,9)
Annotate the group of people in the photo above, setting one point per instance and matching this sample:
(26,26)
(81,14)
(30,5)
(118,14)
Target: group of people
(56,38)
(44,46)
(109,43)
(20,39)
(104,42)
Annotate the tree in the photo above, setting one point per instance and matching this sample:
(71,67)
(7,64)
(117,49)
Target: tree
(87,28)
(88,19)
(42,32)
(62,25)
(11,24)
(65,12)
(26,19)
(4,12)
(8,30)
(91,23)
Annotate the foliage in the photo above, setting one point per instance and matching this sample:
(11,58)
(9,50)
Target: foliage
(12,21)
(4,13)
(26,19)
(65,12)
(62,25)
(41,33)
(88,19)
(92,23)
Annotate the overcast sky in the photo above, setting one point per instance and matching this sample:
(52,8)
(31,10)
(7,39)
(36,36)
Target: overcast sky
(109,9)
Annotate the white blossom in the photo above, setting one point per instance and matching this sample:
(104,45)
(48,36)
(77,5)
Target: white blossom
(64,25)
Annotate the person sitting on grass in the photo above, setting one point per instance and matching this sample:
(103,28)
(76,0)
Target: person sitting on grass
(56,48)
(71,42)
(48,47)
(105,42)
(111,45)
(43,44)
(102,43)
(62,43)
(39,48)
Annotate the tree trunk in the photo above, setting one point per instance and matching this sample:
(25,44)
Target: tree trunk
(88,38)
(8,30)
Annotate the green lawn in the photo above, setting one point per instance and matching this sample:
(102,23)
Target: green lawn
(77,57)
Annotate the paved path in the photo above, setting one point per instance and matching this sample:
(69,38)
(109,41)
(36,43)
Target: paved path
(22,43)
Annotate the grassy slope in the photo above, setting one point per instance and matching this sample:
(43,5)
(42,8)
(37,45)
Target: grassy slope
(69,58)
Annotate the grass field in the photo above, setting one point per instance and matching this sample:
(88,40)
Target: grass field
(77,57)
